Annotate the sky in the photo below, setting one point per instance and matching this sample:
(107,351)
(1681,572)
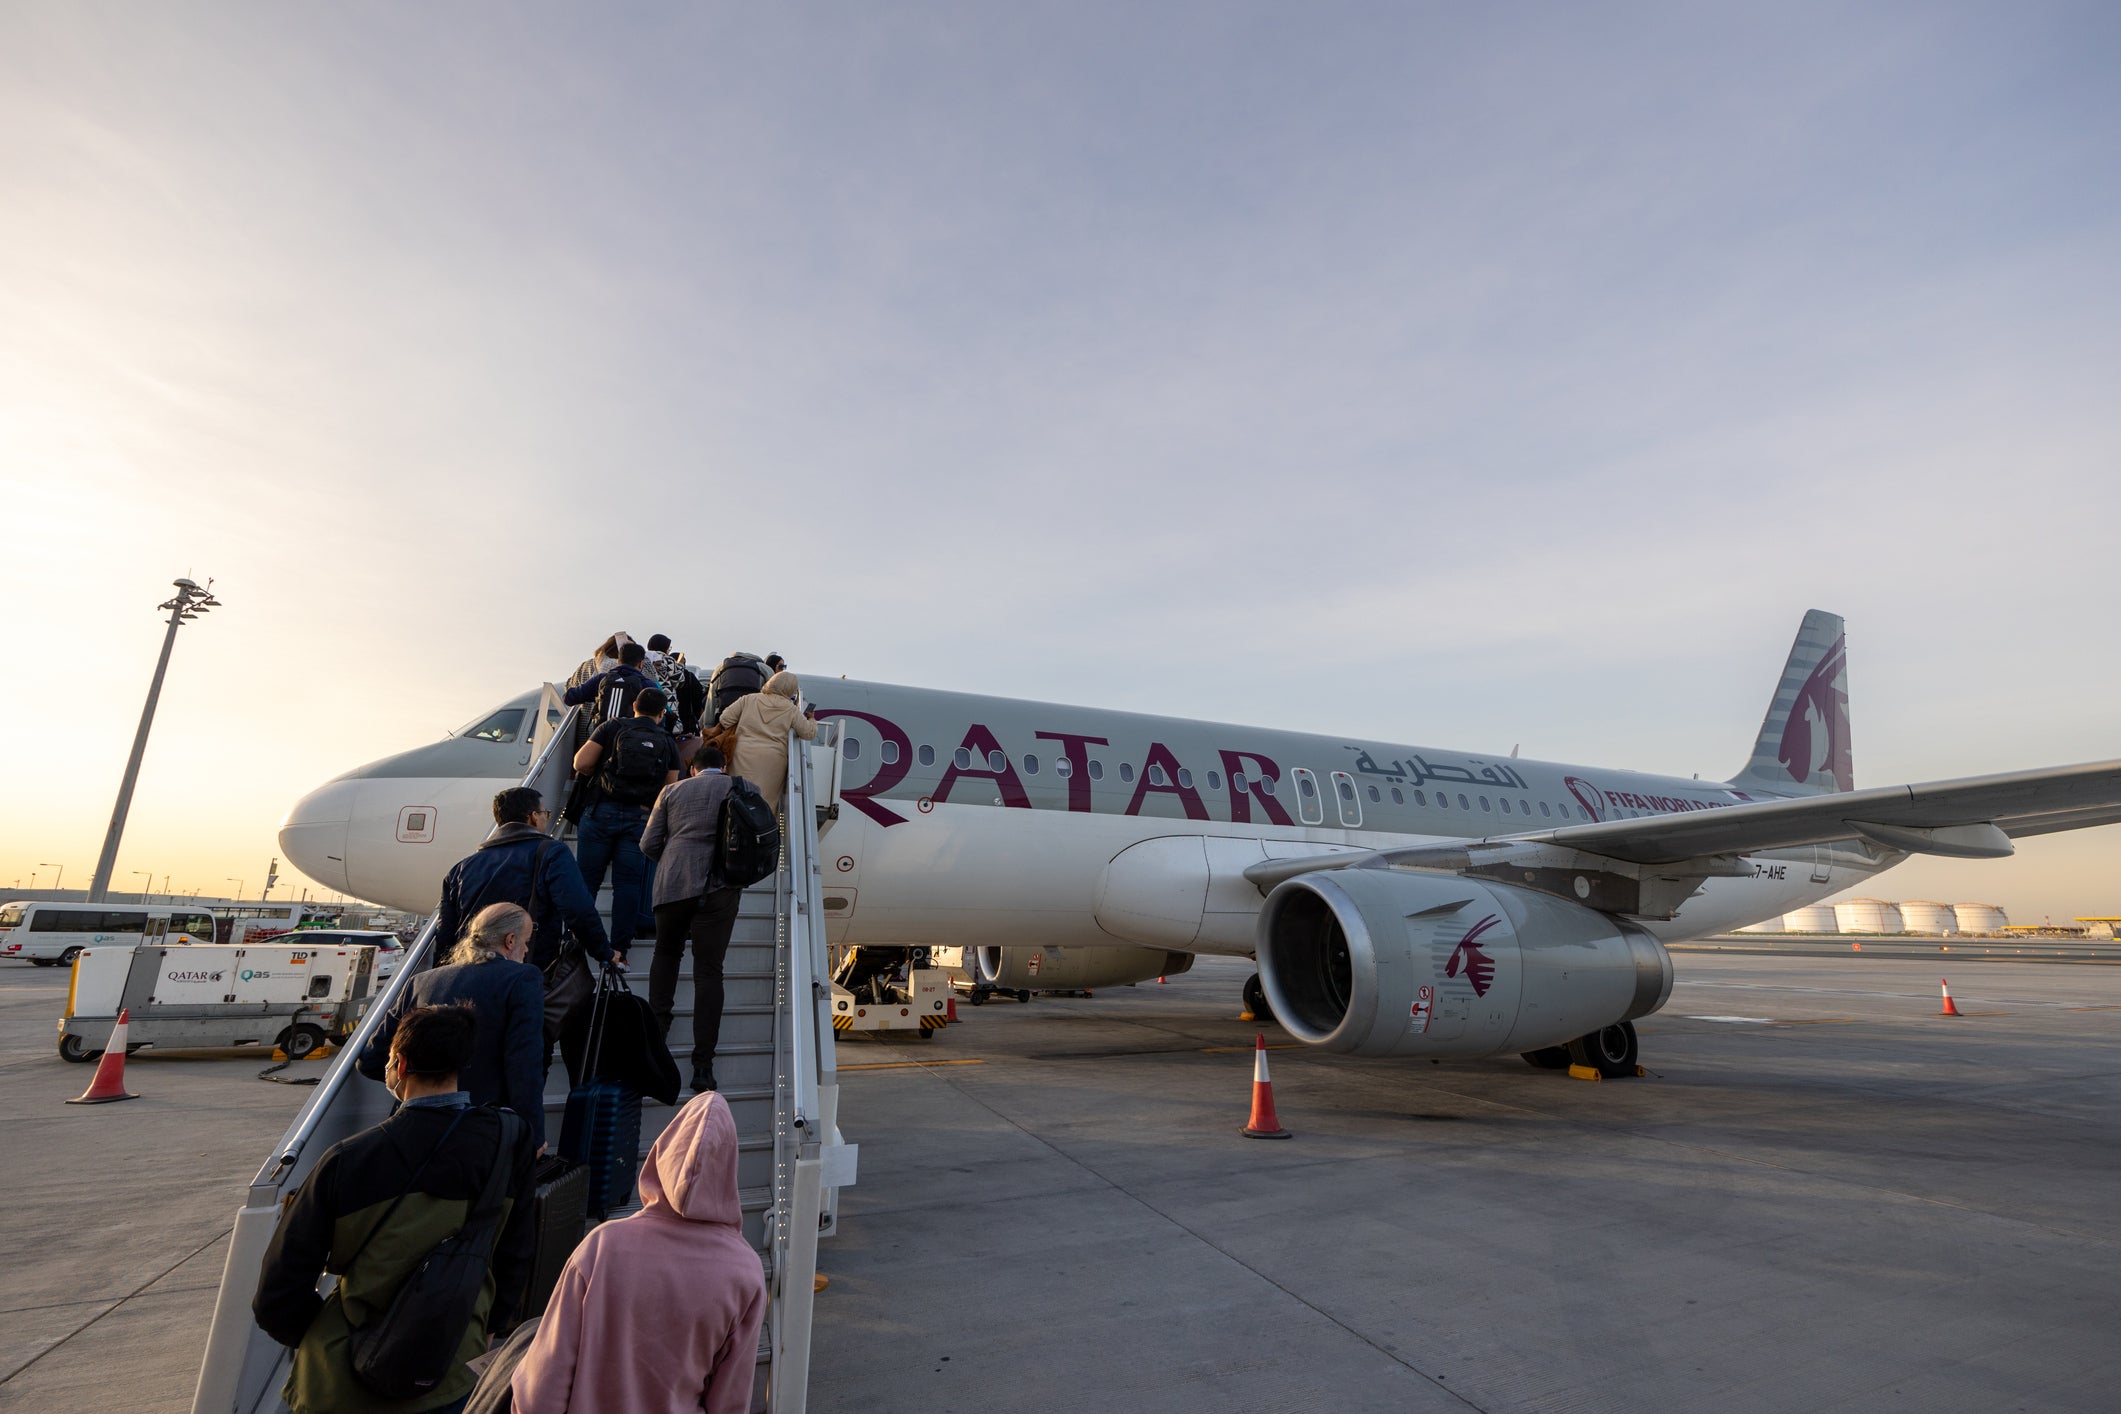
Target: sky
(1462,376)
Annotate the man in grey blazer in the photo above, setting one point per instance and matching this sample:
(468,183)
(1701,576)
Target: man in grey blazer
(690,903)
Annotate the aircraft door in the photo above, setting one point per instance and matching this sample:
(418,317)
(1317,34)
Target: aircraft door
(1349,801)
(1310,805)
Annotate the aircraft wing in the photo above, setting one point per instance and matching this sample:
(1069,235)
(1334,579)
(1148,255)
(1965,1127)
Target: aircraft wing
(1971,818)
(1974,818)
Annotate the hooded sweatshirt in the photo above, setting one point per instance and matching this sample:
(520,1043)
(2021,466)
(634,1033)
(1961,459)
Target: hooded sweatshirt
(763,721)
(658,1312)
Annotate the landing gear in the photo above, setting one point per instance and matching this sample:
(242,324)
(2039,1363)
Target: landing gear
(1548,1058)
(1610,1051)
(1256,1000)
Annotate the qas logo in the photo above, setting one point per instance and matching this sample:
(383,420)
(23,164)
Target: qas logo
(1479,967)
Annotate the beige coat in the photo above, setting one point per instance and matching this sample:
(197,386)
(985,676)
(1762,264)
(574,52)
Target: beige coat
(763,721)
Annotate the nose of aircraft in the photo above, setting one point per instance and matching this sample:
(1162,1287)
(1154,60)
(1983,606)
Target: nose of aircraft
(313,837)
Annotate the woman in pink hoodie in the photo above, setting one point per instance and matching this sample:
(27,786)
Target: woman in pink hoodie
(659,1311)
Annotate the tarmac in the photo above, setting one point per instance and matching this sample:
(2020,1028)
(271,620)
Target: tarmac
(1823,1197)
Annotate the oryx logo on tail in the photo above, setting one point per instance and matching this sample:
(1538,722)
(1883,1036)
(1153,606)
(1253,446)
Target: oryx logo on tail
(1480,968)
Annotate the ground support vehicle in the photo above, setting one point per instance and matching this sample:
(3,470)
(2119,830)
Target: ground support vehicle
(295,998)
(920,1004)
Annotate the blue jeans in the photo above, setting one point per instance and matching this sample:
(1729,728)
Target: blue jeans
(610,837)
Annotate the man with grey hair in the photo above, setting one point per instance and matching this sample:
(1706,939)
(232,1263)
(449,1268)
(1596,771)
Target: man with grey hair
(487,973)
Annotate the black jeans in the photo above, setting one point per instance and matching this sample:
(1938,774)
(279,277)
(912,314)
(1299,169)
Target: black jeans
(708,925)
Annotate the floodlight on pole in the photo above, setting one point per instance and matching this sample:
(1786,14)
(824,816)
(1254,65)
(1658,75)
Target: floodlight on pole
(188,603)
(61,880)
(149,886)
(232,879)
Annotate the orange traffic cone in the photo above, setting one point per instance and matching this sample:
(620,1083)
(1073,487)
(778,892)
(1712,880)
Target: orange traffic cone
(1160,982)
(1949,1009)
(109,1084)
(1264,1124)
(950,1008)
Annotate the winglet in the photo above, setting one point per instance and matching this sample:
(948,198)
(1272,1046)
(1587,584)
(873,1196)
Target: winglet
(1804,741)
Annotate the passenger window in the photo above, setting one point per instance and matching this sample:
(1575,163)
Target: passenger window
(996,762)
(1239,781)
(1464,804)
(1157,776)
(1484,805)
(1397,798)
(1063,767)
(1564,811)
(1185,778)
(1525,806)
(1347,790)
(889,752)
(1421,798)
(1215,780)
(1374,796)
(1030,765)
(926,755)
(854,748)
(1266,783)
(1305,788)
(1126,770)
(963,757)
(1505,805)
(1543,809)
(1097,770)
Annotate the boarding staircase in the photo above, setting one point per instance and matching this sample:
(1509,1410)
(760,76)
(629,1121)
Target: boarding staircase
(774,1063)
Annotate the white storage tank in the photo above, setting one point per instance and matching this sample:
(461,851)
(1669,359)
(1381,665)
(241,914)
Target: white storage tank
(1773,925)
(1922,916)
(1868,915)
(1980,919)
(1813,918)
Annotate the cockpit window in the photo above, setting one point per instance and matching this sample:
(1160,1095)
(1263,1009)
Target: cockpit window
(504,725)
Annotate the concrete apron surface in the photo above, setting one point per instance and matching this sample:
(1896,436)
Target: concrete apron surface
(1825,1197)
(117,1215)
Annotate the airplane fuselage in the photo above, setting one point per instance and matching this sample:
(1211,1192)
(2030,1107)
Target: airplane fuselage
(972,820)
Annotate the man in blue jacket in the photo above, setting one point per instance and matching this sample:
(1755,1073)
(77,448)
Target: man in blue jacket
(521,864)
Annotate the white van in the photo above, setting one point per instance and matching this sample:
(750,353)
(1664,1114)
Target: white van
(51,933)
(248,922)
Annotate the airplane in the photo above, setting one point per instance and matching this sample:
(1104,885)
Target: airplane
(1398,900)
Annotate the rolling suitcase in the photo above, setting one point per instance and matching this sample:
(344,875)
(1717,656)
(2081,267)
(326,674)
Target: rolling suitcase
(601,1129)
(561,1194)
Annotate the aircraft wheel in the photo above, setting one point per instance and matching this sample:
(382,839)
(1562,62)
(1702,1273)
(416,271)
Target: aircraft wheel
(1256,1000)
(72,1048)
(979,998)
(926,1034)
(1610,1051)
(1548,1058)
(1024,996)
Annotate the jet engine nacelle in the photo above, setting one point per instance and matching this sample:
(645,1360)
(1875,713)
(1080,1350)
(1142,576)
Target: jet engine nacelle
(1076,969)
(1378,962)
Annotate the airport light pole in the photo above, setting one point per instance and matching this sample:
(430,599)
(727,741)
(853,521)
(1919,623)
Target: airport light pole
(59,882)
(149,886)
(232,879)
(187,604)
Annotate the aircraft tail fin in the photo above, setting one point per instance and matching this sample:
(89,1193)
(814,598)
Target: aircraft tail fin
(1804,741)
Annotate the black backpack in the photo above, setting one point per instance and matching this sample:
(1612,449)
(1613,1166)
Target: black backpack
(410,1347)
(748,845)
(740,675)
(639,757)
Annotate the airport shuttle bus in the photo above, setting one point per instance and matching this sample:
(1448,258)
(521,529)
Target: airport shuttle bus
(256,921)
(52,933)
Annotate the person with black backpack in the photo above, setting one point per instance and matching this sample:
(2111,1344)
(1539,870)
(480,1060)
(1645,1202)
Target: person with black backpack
(692,903)
(627,763)
(609,695)
(427,1221)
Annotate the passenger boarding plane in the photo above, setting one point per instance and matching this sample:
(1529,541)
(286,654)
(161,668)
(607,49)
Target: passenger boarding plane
(1398,900)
